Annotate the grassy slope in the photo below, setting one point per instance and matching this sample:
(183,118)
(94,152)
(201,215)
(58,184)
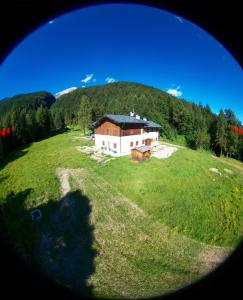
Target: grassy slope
(138,252)
(231,161)
(181,192)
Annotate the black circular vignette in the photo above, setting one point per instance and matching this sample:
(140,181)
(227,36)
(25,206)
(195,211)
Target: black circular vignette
(223,21)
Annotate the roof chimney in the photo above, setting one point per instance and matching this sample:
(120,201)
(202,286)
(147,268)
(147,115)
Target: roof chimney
(137,117)
(131,114)
(145,119)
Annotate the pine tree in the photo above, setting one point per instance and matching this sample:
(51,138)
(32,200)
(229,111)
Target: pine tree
(231,117)
(58,120)
(201,138)
(85,114)
(240,148)
(67,118)
(221,135)
(43,121)
(1,151)
(232,144)
(30,125)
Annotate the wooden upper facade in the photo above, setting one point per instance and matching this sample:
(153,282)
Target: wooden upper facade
(106,126)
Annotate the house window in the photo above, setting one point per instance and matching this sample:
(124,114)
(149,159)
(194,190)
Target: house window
(131,144)
(114,145)
(143,142)
(136,143)
(103,143)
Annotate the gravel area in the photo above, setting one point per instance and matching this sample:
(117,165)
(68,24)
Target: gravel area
(163,151)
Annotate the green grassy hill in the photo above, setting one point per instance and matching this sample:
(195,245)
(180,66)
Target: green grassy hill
(119,229)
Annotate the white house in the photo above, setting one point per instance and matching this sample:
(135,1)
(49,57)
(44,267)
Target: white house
(118,134)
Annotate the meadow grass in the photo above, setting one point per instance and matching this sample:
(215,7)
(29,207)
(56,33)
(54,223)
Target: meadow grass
(148,220)
(232,161)
(35,168)
(184,194)
(28,178)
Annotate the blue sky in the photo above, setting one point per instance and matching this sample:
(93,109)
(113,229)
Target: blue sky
(123,42)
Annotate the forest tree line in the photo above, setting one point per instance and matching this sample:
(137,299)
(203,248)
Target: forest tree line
(182,121)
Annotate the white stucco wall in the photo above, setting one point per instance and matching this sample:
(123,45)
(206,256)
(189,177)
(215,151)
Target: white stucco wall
(109,143)
(126,142)
(123,143)
(152,135)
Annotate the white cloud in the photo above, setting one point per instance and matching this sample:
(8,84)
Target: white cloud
(180,19)
(94,80)
(87,78)
(110,79)
(175,92)
(51,21)
(66,91)
(83,86)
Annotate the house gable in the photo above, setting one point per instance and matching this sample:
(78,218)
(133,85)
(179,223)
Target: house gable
(110,127)
(107,127)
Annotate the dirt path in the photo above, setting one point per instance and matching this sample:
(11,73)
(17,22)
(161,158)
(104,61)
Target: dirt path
(208,257)
(228,163)
(211,257)
(65,250)
(121,231)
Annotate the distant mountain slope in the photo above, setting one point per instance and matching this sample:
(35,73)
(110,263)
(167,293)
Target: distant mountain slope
(29,101)
(182,121)
(118,97)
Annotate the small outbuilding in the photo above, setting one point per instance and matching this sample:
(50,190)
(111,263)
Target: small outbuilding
(141,153)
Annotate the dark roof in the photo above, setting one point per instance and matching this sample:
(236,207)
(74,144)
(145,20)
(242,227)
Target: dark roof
(151,124)
(121,119)
(143,149)
(125,119)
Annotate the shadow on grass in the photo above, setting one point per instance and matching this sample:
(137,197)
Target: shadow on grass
(59,244)
(14,221)
(13,156)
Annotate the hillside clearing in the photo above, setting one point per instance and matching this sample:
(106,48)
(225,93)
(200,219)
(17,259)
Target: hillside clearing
(162,150)
(128,230)
(120,237)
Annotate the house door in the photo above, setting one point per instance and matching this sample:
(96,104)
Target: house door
(148,142)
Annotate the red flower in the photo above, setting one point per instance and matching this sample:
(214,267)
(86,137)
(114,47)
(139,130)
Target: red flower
(3,132)
(8,130)
(238,130)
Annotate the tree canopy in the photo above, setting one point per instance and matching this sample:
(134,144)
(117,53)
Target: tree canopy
(36,115)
